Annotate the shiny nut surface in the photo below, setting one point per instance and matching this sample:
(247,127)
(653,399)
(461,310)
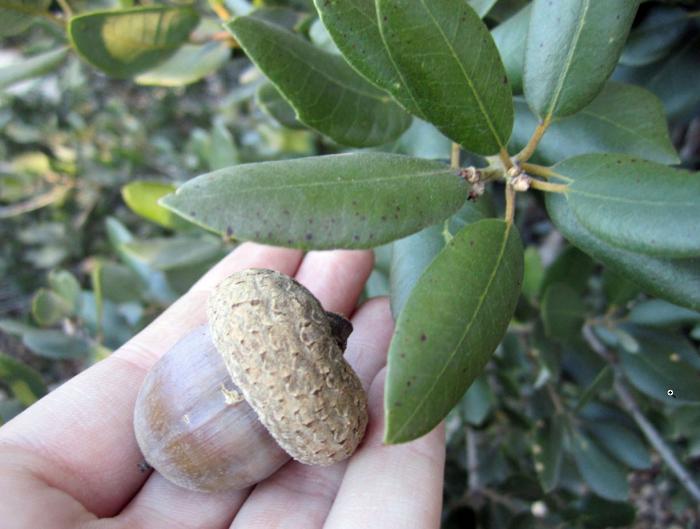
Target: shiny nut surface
(194,429)
(277,343)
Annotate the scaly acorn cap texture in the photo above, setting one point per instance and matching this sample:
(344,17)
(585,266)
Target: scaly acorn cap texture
(278,345)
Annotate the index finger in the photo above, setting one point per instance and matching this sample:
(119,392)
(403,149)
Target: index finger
(80,437)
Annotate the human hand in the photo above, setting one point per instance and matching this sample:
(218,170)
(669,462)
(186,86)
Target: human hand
(71,460)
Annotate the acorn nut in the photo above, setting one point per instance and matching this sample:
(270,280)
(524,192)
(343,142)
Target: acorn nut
(264,381)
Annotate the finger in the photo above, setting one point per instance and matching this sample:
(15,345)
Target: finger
(392,487)
(81,434)
(160,504)
(301,495)
(323,272)
(154,501)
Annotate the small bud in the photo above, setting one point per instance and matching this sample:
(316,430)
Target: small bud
(521,182)
(478,189)
(470,174)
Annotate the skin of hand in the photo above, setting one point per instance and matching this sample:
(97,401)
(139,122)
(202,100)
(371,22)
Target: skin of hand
(71,460)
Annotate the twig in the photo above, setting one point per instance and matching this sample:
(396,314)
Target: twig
(510,203)
(630,404)
(472,459)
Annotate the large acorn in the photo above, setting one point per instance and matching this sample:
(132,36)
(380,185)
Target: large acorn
(264,381)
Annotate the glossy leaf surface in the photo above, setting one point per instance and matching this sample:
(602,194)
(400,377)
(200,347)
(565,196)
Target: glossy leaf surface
(547,451)
(665,361)
(572,48)
(603,474)
(340,201)
(189,64)
(354,28)
(634,204)
(142,198)
(25,383)
(277,107)
(448,330)
(31,67)
(465,93)
(510,38)
(326,93)
(17,15)
(411,255)
(677,280)
(128,42)
(623,118)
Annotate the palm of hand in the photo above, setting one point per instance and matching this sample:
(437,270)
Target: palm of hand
(71,460)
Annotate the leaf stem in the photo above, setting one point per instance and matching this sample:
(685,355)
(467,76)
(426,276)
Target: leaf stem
(455,155)
(538,170)
(529,149)
(505,158)
(630,404)
(547,187)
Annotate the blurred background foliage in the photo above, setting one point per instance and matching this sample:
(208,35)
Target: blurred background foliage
(88,258)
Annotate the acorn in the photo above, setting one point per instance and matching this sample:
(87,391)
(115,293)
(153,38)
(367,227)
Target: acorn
(264,381)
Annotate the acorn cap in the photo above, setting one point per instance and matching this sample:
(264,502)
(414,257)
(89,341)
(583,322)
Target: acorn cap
(282,351)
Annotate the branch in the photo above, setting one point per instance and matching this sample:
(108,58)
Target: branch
(630,404)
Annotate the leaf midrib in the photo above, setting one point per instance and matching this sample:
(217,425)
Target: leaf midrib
(329,183)
(482,109)
(437,379)
(379,97)
(567,64)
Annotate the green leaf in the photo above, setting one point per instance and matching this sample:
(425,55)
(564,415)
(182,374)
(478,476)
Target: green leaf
(142,198)
(669,79)
(621,443)
(603,380)
(468,97)
(534,273)
(411,255)
(623,118)
(547,451)
(345,20)
(66,286)
(25,383)
(604,475)
(128,42)
(48,308)
(477,402)
(618,290)
(340,201)
(659,313)
(654,38)
(452,322)
(676,280)
(325,92)
(174,252)
(510,38)
(31,67)
(189,64)
(17,15)
(117,283)
(665,361)
(572,48)
(276,106)
(634,204)
(56,345)
(563,312)
(572,267)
